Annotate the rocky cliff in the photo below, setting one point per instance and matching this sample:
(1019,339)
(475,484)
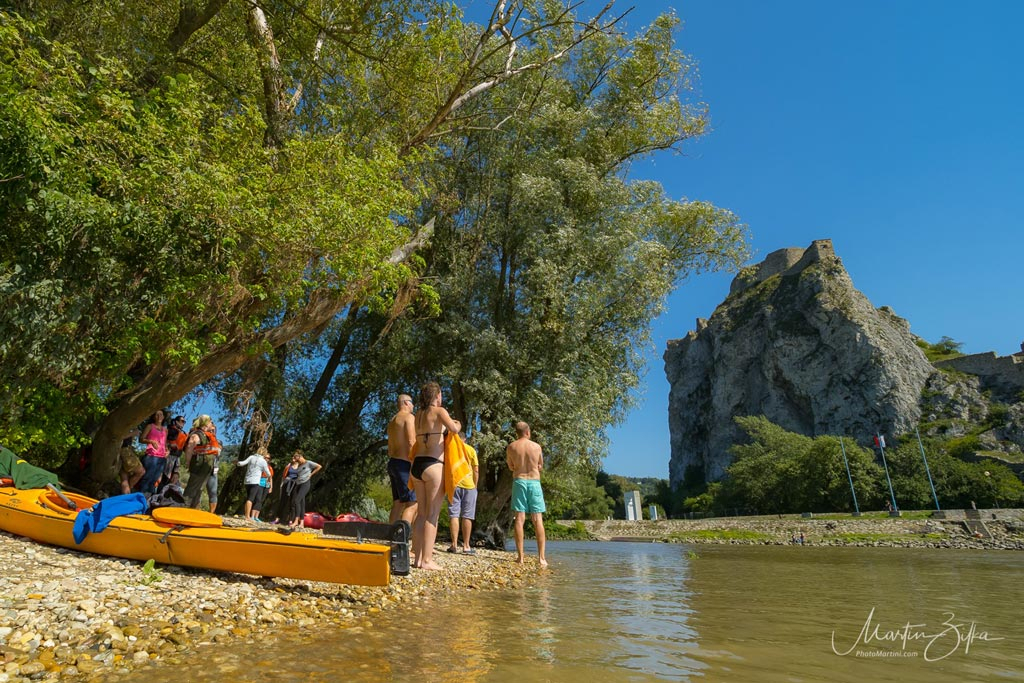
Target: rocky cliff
(796,342)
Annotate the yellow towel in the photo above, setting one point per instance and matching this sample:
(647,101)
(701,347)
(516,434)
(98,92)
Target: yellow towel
(456,463)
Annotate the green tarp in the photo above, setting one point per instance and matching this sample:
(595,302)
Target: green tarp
(25,476)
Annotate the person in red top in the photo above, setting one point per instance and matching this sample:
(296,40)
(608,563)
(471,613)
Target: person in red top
(177,436)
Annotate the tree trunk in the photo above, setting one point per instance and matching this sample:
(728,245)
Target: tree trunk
(496,529)
(316,399)
(164,385)
(275,105)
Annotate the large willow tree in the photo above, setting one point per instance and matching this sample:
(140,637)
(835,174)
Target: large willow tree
(187,187)
(548,263)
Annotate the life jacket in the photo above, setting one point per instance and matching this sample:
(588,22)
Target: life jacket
(208,444)
(176,443)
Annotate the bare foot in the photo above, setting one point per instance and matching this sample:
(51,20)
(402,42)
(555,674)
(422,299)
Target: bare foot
(543,563)
(520,560)
(429,566)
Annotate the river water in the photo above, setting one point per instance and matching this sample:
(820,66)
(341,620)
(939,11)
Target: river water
(611,612)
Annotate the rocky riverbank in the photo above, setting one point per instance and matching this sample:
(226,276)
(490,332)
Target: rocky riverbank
(993,529)
(67,615)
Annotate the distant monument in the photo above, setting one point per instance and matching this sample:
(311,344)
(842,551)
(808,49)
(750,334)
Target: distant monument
(634,510)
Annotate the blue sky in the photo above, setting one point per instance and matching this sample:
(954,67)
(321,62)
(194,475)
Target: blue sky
(891,128)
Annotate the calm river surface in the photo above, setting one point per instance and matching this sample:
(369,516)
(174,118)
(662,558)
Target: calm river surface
(609,612)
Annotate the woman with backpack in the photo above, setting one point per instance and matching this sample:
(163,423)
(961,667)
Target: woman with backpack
(201,451)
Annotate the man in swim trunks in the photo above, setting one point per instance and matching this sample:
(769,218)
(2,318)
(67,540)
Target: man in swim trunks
(401,437)
(526,460)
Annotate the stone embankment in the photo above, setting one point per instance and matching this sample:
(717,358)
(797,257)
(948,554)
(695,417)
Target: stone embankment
(1006,529)
(67,615)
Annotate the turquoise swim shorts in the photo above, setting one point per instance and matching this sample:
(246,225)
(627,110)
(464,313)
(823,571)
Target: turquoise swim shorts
(527,496)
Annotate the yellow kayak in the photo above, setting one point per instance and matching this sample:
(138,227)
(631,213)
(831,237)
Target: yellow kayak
(193,538)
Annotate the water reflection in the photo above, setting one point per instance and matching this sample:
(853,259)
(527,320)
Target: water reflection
(651,612)
(784,605)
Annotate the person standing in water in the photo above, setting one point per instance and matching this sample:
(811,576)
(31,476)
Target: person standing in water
(526,460)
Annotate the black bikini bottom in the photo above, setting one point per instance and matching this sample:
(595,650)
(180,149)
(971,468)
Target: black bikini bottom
(421,463)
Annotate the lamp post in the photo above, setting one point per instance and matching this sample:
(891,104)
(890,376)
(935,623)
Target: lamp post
(849,476)
(880,442)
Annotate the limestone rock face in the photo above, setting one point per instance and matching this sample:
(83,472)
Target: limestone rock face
(796,342)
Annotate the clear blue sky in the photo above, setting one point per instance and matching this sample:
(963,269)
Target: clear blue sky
(892,128)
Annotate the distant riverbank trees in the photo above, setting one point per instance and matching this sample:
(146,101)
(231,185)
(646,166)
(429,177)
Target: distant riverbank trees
(777,471)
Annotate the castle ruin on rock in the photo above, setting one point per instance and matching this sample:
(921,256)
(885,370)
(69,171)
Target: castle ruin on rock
(796,342)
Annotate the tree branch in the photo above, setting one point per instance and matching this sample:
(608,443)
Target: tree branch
(501,18)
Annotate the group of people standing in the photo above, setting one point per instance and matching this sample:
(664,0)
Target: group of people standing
(169,446)
(416,449)
(295,483)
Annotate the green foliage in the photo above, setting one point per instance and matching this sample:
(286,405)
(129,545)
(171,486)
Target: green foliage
(784,472)
(156,227)
(998,415)
(150,573)
(574,496)
(945,349)
(703,503)
(379,491)
(871,537)
(561,532)
(963,446)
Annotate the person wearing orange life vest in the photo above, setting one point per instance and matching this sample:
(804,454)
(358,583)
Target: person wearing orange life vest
(177,437)
(201,451)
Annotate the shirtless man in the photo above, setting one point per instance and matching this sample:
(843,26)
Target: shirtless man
(401,437)
(525,459)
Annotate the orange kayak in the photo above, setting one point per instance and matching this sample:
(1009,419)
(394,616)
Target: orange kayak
(193,538)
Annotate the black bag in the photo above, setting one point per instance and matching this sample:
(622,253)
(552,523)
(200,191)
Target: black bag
(170,496)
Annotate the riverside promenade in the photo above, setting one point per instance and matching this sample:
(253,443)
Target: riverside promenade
(999,529)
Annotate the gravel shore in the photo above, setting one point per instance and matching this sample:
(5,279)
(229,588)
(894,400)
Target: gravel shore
(68,615)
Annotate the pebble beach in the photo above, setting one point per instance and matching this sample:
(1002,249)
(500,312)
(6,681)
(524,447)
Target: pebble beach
(69,615)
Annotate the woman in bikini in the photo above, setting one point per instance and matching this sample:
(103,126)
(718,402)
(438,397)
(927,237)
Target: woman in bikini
(428,472)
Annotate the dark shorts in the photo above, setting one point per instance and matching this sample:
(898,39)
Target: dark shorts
(261,498)
(463,504)
(398,474)
(252,491)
